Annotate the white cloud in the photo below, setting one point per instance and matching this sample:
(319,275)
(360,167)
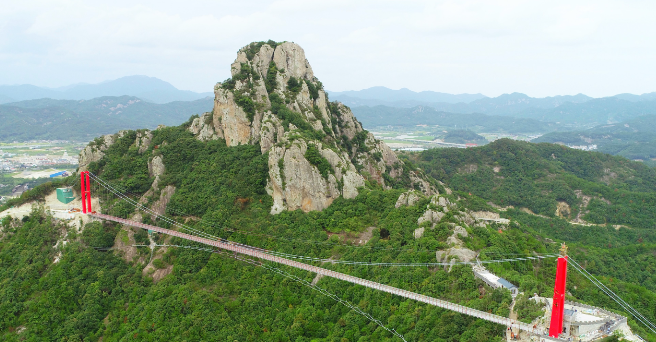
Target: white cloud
(538,47)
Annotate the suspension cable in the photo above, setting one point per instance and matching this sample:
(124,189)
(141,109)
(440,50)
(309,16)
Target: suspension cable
(212,237)
(145,209)
(209,236)
(636,314)
(299,280)
(615,295)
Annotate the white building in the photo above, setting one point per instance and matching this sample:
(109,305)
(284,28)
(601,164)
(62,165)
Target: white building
(494,281)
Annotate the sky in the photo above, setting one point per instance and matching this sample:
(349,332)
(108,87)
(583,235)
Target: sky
(540,48)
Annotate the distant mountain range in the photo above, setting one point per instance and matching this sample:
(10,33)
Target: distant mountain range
(82,120)
(402,95)
(146,88)
(573,110)
(371,117)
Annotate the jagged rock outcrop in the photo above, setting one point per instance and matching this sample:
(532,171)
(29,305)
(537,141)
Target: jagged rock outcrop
(143,140)
(232,119)
(408,198)
(273,99)
(317,149)
(156,166)
(443,202)
(203,128)
(455,254)
(295,183)
(95,150)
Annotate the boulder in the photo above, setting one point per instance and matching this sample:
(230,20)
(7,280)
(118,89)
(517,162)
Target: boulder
(408,198)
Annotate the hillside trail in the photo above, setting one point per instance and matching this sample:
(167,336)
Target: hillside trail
(510,332)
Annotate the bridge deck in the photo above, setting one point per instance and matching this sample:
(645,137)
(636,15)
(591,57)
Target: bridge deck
(251,251)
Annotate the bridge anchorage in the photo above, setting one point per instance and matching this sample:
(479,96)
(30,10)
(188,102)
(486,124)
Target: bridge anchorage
(569,321)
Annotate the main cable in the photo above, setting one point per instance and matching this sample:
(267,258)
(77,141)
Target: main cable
(636,314)
(300,257)
(121,189)
(616,296)
(299,280)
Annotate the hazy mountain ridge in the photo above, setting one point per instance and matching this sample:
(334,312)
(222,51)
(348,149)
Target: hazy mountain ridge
(83,120)
(405,94)
(578,110)
(146,88)
(594,112)
(384,115)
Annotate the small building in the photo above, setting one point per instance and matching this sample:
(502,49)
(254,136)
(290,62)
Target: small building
(65,195)
(493,281)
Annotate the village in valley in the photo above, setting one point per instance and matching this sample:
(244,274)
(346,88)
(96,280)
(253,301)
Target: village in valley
(422,137)
(24,165)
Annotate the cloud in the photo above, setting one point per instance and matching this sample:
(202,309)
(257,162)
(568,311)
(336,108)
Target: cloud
(538,47)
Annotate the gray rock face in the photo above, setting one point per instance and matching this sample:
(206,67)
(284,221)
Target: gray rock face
(485,215)
(431,216)
(408,198)
(95,152)
(202,128)
(457,251)
(294,183)
(230,119)
(156,167)
(300,184)
(466,218)
(271,131)
(291,57)
(455,254)
(454,239)
(442,202)
(143,140)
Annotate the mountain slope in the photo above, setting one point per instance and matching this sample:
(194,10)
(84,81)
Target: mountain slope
(632,139)
(550,180)
(170,291)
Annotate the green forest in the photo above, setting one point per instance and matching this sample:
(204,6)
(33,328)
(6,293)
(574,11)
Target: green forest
(92,293)
(461,136)
(538,176)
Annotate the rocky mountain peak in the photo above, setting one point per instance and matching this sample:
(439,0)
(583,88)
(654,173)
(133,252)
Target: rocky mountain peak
(317,149)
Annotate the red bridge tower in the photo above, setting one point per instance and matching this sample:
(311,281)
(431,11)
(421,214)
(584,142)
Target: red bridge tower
(557,311)
(85,187)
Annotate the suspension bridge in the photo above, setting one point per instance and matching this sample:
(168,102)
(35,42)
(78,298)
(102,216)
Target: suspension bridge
(239,250)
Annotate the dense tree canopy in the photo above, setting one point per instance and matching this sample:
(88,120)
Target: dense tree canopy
(91,292)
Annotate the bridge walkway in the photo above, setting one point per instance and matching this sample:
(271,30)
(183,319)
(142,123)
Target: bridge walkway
(253,252)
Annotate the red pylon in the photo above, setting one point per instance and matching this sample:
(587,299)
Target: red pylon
(85,189)
(558,308)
